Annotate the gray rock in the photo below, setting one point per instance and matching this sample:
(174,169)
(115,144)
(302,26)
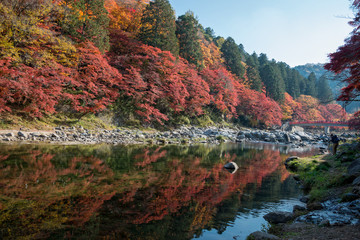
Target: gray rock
(356,182)
(9,135)
(231,165)
(297,208)
(287,137)
(314,206)
(262,236)
(278,217)
(54,135)
(304,199)
(23,134)
(354,168)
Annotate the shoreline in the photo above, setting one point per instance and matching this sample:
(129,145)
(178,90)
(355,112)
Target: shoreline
(332,210)
(182,135)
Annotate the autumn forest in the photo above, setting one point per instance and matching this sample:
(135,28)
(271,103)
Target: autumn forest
(135,59)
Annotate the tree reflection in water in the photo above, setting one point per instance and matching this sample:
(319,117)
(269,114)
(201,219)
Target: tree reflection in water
(129,192)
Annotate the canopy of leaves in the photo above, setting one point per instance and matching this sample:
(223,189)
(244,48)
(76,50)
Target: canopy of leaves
(187,30)
(158,27)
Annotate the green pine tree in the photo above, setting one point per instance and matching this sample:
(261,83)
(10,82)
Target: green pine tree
(232,56)
(271,77)
(158,27)
(187,28)
(253,74)
(324,93)
(293,83)
(311,85)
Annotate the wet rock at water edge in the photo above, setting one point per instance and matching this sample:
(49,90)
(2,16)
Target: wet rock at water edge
(314,206)
(356,182)
(262,236)
(232,167)
(298,208)
(279,217)
(354,168)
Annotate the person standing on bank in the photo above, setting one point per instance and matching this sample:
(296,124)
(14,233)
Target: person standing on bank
(335,140)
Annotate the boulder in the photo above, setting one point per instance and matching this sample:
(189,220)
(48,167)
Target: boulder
(298,208)
(22,134)
(314,206)
(278,217)
(231,165)
(262,236)
(356,182)
(354,168)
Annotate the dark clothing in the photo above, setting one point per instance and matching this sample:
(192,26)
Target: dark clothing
(335,140)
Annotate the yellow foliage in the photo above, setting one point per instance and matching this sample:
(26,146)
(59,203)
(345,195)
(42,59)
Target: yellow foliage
(211,53)
(28,38)
(125,15)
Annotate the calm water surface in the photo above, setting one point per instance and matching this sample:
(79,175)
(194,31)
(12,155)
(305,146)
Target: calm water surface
(141,192)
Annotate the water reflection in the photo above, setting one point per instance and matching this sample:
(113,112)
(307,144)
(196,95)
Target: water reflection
(135,192)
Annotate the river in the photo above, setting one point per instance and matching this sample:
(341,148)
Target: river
(142,192)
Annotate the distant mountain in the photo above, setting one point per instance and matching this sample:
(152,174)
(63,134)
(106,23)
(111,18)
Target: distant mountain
(335,81)
(317,68)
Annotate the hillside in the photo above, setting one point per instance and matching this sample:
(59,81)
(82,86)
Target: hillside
(136,61)
(335,82)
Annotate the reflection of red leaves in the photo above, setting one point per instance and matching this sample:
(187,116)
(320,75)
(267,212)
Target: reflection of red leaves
(150,157)
(188,181)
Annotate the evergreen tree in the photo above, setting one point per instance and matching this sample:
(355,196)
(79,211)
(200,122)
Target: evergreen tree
(292,86)
(324,93)
(209,34)
(187,28)
(219,41)
(263,59)
(274,84)
(311,85)
(243,53)
(253,74)
(232,56)
(86,20)
(158,26)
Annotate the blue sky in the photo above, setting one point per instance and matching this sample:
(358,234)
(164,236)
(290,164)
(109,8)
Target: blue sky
(292,31)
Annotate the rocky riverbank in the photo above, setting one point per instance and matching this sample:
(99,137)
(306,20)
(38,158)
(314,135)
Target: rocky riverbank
(185,134)
(333,205)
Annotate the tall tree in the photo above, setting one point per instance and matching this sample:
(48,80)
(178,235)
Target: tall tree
(187,31)
(324,93)
(311,85)
(274,84)
(232,55)
(158,27)
(292,86)
(253,74)
(86,20)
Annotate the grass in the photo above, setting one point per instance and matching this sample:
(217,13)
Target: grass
(321,175)
(89,121)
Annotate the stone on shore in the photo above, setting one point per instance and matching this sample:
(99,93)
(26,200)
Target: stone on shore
(279,217)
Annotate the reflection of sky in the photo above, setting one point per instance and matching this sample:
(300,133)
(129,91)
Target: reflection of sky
(249,222)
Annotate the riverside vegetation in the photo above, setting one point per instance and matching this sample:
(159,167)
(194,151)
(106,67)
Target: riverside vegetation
(332,211)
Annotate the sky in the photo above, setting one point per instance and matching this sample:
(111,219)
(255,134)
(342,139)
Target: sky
(292,31)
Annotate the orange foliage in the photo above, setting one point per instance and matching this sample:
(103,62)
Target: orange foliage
(125,15)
